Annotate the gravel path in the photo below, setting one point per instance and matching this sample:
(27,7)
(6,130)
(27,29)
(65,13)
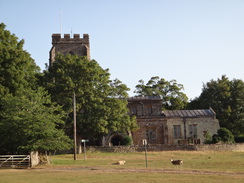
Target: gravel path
(145,170)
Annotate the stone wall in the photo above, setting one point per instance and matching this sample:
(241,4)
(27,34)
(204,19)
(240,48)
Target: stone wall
(221,147)
(205,147)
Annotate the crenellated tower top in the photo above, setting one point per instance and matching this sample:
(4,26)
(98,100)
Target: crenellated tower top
(69,45)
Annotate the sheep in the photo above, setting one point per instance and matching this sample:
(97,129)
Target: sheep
(177,162)
(121,162)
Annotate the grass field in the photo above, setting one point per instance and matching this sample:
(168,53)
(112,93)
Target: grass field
(100,167)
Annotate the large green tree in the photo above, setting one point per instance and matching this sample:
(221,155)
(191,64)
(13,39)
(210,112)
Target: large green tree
(31,122)
(170,92)
(17,68)
(28,120)
(226,97)
(101,103)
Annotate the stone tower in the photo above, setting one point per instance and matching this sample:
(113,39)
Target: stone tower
(75,45)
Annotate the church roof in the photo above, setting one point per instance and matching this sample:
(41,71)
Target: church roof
(143,98)
(198,113)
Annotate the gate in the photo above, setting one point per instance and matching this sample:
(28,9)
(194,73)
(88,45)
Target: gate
(14,161)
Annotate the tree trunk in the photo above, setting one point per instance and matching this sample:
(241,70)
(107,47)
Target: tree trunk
(130,135)
(79,144)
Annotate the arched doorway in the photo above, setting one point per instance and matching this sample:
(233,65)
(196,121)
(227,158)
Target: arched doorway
(116,140)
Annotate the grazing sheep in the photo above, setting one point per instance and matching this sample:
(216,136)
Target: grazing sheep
(121,162)
(177,162)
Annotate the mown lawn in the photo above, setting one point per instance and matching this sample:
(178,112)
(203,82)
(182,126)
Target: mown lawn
(100,167)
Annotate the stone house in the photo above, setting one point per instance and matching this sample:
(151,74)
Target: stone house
(170,127)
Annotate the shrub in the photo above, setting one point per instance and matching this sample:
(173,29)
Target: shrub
(127,141)
(216,138)
(208,138)
(226,135)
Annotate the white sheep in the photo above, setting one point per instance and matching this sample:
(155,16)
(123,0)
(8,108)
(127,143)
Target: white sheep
(177,162)
(121,162)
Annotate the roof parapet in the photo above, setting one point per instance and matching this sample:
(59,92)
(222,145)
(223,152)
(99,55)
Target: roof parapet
(56,38)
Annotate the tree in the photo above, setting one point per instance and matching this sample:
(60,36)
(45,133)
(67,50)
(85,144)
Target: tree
(227,100)
(170,92)
(17,68)
(31,122)
(101,104)
(28,119)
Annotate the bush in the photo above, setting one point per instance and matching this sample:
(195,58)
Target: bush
(226,135)
(127,141)
(216,138)
(208,138)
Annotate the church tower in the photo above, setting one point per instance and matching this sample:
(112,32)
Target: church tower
(75,45)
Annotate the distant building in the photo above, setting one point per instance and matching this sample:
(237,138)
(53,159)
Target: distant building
(75,45)
(167,127)
(170,127)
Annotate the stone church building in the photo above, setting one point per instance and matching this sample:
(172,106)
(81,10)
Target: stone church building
(156,126)
(170,127)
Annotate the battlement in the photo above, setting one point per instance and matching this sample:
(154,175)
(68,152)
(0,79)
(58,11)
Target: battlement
(69,44)
(56,38)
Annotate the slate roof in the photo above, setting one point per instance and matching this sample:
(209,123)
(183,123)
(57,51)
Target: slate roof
(189,113)
(143,98)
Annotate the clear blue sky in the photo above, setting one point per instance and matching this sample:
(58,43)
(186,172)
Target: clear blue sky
(191,41)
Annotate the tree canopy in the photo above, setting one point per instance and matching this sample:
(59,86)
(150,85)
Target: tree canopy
(170,92)
(226,97)
(17,69)
(101,102)
(31,122)
(28,119)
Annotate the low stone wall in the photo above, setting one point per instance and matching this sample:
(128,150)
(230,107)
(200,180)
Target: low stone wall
(220,147)
(114,149)
(205,147)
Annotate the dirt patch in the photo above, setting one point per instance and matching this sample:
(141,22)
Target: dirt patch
(142,170)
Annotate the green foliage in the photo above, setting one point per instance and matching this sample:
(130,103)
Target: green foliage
(30,122)
(208,138)
(101,104)
(127,140)
(17,68)
(224,135)
(28,119)
(227,100)
(216,138)
(169,91)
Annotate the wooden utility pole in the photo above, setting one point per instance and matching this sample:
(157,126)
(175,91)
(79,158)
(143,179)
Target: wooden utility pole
(75,144)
